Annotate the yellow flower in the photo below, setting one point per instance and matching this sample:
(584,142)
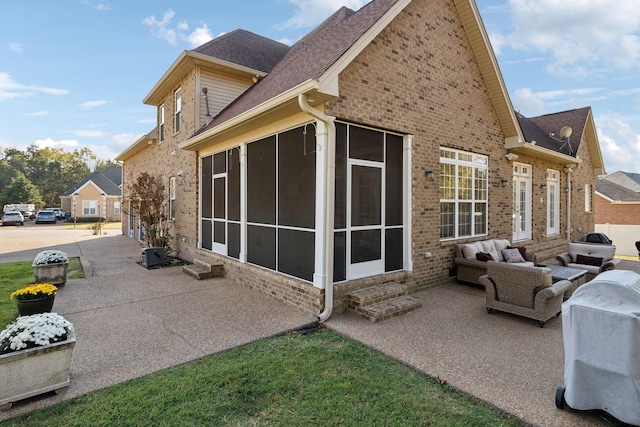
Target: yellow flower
(34,291)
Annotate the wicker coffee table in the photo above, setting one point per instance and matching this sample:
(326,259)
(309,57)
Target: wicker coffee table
(576,276)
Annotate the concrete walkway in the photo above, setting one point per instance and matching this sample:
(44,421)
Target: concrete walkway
(131,321)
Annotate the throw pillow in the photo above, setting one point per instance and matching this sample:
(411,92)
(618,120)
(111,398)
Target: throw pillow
(588,260)
(522,249)
(512,255)
(483,256)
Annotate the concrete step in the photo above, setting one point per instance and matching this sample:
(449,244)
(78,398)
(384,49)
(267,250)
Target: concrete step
(201,270)
(378,303)
(393,307)
(375,294)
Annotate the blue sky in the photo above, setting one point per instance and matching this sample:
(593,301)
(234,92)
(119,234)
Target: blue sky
(73,73)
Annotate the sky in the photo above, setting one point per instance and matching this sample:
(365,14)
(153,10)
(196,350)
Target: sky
(73,73)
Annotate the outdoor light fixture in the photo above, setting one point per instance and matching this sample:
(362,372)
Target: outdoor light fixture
(511,157)
(429,174)
(504,181)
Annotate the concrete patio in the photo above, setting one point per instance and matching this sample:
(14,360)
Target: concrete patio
(131,322)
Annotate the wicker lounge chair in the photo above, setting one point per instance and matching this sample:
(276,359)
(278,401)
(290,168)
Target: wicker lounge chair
(525,291)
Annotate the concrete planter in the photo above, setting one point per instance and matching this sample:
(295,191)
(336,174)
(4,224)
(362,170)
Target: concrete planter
(35,371)
(56,274)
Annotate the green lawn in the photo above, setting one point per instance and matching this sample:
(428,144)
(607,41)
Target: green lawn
(16,275)
(316,379)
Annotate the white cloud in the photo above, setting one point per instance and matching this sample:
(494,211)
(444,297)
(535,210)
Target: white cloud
(92,104)
(16,47)
(88,133)
(578,34)
(530,103)
(50,143)
(619,142)
(160,28)
(39,113)
(199,36)
(310,13)
(10,89)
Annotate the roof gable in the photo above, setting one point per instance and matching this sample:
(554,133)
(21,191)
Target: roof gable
(616,191)
(245,48)
(102,181)
(310,57)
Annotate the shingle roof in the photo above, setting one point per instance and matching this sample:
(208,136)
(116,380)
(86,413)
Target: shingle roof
(108,180)
(245,48)
(309,58)
(616,192)
(545,130)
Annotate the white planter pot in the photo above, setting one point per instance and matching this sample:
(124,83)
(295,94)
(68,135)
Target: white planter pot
(56,274)
(34,371)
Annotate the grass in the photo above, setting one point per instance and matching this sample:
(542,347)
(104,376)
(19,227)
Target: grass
(294,380)
(16,275)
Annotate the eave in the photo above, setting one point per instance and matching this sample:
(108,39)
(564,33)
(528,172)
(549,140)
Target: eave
(185,62)
(138,145)
(531,149)
(281,106)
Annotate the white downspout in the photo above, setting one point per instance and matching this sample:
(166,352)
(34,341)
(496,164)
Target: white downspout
(328,201)
(568,169)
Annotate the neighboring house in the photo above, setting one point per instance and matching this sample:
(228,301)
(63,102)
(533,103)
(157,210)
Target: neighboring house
(617,204)
(360,155)
(96,196)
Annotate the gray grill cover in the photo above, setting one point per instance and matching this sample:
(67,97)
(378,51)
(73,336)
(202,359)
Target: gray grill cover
(601,331)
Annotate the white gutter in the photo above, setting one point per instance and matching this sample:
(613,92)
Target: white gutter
(328,201)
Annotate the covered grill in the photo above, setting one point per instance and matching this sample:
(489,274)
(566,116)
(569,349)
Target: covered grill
(601,331)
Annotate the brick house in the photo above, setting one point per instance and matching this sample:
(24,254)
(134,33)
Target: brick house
(358,156)
(617,206)
(98,195)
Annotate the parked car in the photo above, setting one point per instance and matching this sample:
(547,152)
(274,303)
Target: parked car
(29,215)
(59,213)
(46,216)
(15,218)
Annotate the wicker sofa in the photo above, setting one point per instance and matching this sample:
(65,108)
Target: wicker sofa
(469,268)
(524,291)
(593,257)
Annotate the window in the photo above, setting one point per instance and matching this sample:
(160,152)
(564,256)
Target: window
(161,123)
(522,176)
(553,202)
(89,207)
(587,197)
(463,194)
(172,198)
(177,109)
(116,208)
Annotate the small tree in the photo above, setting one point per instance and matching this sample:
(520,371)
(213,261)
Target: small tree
(21,190)
(147,201)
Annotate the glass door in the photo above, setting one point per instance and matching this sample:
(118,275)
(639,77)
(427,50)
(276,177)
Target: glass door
(521,202)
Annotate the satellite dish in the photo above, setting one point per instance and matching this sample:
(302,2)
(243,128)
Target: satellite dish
(565,132)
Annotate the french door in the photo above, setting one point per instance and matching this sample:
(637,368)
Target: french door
(521,202)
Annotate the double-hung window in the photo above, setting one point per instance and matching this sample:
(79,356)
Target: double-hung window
(177,109)
(463,194)
(172,198)
(89,207)
(161,123)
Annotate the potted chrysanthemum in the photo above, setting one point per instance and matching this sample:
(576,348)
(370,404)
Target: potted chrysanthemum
(35,356)
(51,266)
(34,298)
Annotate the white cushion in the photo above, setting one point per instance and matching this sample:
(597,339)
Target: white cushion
(469,250)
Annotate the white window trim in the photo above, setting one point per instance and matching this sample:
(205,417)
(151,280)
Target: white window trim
(587,198)
(553,199)
(89,207)
(177,111)
(475,163)
(522,178)
(161,126)
(172,198)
